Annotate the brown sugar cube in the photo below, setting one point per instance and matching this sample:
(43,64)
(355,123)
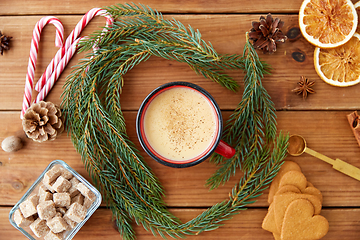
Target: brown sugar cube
(74,181)
(53,236)
(57,224)
(86,191)
(48,185)
(66,174)
(76,212)
(78,198)
(20,220)
(42,190)
(50,176)
(39,227)
(28,207)
(45,196)
(63,172)
(71,223)
(46,210)
(61,210)
(73,190)
(62,199)
(61,185)
(88,202)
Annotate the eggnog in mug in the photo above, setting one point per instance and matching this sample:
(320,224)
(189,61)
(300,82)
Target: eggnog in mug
(180,123)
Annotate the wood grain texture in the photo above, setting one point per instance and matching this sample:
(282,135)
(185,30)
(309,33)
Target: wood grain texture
(51,7)
(326,132)
(321,118)
(225,32)
(244,226)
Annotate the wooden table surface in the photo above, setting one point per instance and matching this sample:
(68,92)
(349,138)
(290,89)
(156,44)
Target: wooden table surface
(321,118)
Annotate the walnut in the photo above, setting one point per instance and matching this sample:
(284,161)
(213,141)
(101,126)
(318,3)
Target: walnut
(42,121)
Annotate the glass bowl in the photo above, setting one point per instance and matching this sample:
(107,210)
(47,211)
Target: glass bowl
(68,234)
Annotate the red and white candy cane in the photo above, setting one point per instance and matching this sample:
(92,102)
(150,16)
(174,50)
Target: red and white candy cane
(34,48)
(57,71)
(70,40)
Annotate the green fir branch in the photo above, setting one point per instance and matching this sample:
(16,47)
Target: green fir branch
(250,187)
(251,126)
(168,39)
(91,104)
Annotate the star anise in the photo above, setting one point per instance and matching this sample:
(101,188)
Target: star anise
(4,43)
(266,33)
(304,87)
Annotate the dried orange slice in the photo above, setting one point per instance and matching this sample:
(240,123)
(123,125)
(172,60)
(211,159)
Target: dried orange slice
(357,8)
(339,66)
(327,24)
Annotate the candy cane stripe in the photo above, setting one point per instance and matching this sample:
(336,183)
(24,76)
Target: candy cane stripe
(70,40)
(29,82)
(55,75)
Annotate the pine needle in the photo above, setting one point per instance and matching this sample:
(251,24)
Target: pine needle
(94,119)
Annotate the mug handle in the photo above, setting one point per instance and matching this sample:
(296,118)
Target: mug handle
(225,149)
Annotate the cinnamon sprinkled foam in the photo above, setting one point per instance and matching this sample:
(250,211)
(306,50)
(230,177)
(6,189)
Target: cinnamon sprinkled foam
(180,124)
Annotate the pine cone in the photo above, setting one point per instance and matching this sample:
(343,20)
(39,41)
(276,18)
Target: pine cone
(266,33)
(42,121)
(4,43)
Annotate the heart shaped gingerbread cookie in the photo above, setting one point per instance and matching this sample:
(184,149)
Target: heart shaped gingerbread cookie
(269,221)
(285,167)
(313,191)
(294,178)
(287,189)
(282,202)
(295,205)
(300,223)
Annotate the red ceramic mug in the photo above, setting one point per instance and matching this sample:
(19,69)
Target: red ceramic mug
(179,124)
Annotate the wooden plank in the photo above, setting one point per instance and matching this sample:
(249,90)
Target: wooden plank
(245,226)
(224,23)
(227,34)
(326,132)
(52,7)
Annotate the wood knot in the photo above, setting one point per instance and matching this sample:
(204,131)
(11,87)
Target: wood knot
(293,33)
(17,185)
(298,56)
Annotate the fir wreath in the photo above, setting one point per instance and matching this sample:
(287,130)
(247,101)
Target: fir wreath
(91,102)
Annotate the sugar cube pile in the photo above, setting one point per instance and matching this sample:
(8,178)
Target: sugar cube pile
(60,204)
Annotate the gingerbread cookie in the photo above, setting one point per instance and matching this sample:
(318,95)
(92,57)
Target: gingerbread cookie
(294,178)
(313,191)
(277,236)
(282,201)
(295,204)
(286,166)
(300,222)
(298,180)
(287,188)
(269,221)
(309,184)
